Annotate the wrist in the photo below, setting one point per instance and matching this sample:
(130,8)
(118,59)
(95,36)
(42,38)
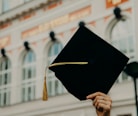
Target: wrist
(103,114)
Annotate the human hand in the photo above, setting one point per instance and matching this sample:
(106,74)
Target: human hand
(101,102)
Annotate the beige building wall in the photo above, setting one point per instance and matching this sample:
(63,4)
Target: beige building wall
(63,20)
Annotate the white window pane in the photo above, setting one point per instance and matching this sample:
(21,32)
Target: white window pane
(0,99)
(123,45)
(5,76)
(54,85)
(23,74)
(5,5)
(4,98)
(33,71)
(131,44)
(29,93)
(9,77)
(122,39)
(10,4)
(8,97)
(49,88)
(28,73)
(33,92)
(0,80)
(23,94)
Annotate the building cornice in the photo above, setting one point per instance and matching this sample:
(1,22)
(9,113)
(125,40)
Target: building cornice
(24,10)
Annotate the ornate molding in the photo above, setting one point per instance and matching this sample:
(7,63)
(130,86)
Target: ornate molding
(27,12)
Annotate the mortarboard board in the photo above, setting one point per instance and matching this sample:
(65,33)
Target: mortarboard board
(88,64)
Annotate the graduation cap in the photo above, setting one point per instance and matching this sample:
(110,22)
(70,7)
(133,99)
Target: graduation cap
(88,64)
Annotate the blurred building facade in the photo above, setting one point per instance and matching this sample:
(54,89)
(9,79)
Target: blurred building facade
(27,47)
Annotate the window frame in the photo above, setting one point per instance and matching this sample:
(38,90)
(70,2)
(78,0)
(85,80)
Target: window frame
(5,88)
(54,86)
(109,30)
(28,83)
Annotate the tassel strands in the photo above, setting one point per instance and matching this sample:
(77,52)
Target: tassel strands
(45,94)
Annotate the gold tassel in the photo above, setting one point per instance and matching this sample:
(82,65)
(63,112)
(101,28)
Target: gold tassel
(45,94)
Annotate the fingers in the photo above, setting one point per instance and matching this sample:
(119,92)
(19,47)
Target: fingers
(92,96)
(100,100)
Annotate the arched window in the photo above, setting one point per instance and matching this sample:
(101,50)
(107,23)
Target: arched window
(122,38)
(28,76)
(5,81)
(54,85)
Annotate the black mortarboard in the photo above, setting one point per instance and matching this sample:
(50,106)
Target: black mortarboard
(88,64)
